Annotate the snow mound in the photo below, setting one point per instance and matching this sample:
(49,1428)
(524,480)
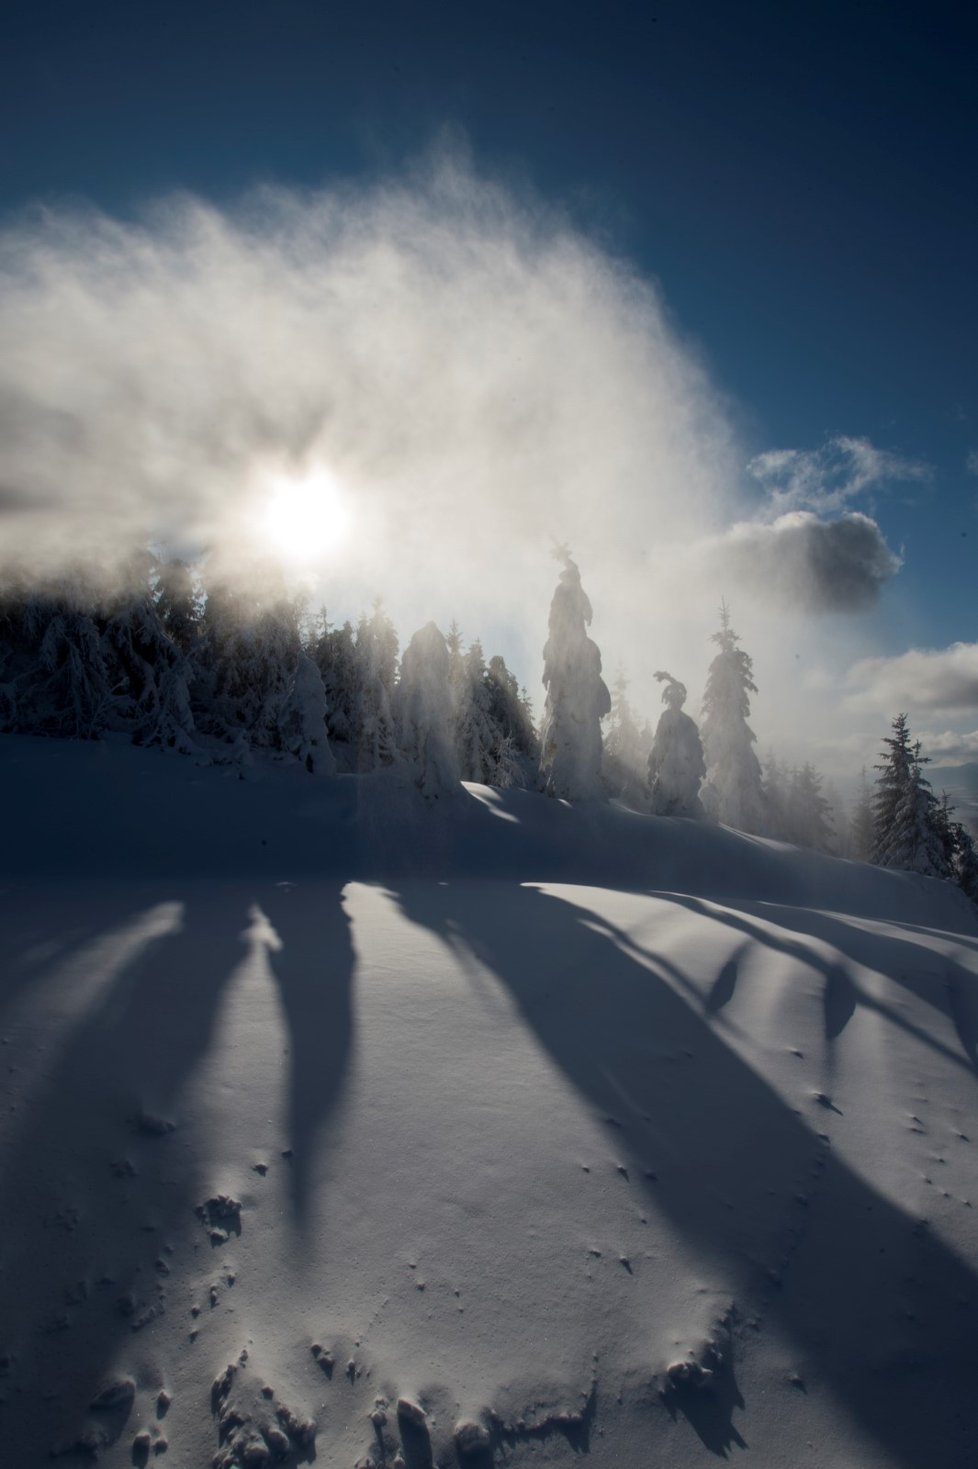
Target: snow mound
(556,1131)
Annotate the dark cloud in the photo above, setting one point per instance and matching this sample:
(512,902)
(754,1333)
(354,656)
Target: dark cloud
(808,564)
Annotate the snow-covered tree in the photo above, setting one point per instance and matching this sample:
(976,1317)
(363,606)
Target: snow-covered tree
(862,829)
(56,678)
(776,787)
(733,791)
(908,833)
(334,653)
(179,602)
(626,752)
(477,740)
(249,647)
(676,766)
(376,664)
(577,696)
(302,720)
(425,723)
(965,861)
(809,813)
(517,753)
(151,672)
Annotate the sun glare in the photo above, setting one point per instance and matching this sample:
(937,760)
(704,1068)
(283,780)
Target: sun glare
(306,518)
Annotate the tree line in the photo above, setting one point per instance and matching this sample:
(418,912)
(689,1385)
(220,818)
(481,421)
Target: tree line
(224,670)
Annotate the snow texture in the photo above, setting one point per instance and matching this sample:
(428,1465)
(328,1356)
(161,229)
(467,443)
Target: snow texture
(554,1133)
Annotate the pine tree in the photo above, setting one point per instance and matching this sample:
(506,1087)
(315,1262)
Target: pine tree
(577,696)
(676,766)
(376,668)
(334,653)
(424,713)
(907,825)
(302,720)
(150,671)
(61,684)
(516,756)
(809,813)
(776,787)
(861,823)
(477,740)
(733,792)
(965,861)
(625,756)
(179,603)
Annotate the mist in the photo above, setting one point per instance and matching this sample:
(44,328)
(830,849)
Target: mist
(476,375)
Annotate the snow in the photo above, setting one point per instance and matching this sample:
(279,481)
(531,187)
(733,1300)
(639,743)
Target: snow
(496,1131)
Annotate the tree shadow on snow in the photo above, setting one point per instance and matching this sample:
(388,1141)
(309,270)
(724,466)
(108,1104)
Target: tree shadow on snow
(314,970)
(99,1174)
(880,1311)
(907,960)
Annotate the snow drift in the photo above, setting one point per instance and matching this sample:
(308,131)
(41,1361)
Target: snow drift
(338,1124)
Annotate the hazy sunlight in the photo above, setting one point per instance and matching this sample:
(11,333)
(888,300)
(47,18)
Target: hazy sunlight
(308,517)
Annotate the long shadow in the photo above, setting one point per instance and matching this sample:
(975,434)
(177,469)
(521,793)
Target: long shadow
(99,1178)
(932,978)
(314,971)
(880,1311)
(40,937)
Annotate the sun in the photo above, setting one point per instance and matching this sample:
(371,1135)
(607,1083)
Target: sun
(306,517)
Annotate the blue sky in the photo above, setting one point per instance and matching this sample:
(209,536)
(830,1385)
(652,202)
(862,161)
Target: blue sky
(797,180)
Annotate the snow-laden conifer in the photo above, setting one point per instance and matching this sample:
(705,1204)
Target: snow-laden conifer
(477,740)
(302,721)
(335,656)
(425,723)
(179,602)
(626,752)
(676,766)
(517,751)
(809,812)
(907,824)
(376,670)
(577,696)
(733,791)
(861,826)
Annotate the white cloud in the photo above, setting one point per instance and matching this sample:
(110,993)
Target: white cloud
(475,373)
(950,748)
(830,478)
(971,462)
(478,374)
(936,680)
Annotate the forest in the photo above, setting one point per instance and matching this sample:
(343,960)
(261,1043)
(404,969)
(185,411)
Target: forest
(227,671)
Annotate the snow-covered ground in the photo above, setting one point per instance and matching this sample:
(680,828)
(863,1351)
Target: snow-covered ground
(334,1122)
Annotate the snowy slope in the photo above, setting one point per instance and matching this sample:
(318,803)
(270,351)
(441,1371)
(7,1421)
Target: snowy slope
(524,1105)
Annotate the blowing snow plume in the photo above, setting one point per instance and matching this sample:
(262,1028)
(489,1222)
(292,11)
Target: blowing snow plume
(404,389)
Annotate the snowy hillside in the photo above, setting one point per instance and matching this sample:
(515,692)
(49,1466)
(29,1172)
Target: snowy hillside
(341,1125)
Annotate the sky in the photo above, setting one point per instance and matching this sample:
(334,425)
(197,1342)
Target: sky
(689,286)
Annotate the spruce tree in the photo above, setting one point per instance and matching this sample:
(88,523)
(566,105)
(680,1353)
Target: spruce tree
(625,754)
(733,791)
(676,766)
(375,648)
(809,813)
(302,719)
(907,823)
(424,713)
(861,823)
(577,696)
